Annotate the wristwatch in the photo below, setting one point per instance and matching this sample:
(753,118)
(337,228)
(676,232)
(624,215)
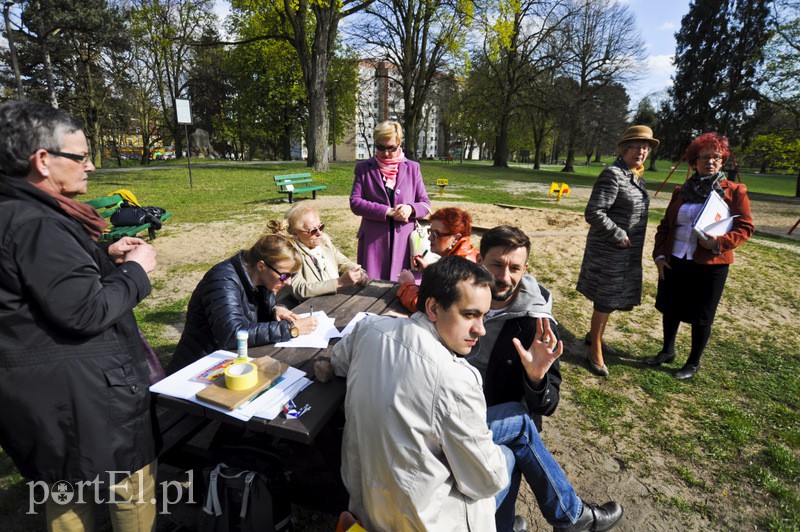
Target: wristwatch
(293,330)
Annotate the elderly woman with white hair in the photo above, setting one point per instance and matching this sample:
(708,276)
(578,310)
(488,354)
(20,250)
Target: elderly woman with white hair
(388,194)
(325,269)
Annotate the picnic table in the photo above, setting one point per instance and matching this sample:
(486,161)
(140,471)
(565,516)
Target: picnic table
(378,297)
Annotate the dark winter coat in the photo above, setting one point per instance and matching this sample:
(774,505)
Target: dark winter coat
(612,277)
(73,374)
(505,379)
(224,302)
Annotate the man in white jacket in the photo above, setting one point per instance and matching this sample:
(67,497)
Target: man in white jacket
(417,453)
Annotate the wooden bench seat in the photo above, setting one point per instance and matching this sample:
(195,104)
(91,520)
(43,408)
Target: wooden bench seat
(107,206)
(174,430)
(292,184)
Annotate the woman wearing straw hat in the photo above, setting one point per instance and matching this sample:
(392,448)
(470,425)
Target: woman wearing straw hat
(611,271)
(691,269)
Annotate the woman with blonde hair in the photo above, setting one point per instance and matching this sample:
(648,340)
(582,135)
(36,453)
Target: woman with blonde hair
(239,294)
(388,194)
(324,269)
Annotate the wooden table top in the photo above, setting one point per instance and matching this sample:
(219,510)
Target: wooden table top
(378,297)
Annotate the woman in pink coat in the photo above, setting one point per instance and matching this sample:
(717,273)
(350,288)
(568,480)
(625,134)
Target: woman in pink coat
(388,194)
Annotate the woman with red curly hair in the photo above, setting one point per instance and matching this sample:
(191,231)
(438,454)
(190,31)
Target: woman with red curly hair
(449,235)
(692,270)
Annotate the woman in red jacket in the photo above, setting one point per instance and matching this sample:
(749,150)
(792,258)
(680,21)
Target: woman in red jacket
(449,235)
(692,270)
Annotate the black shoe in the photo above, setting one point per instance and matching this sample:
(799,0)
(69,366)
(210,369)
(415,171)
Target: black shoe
(596,518)
(687,371)
(662,358)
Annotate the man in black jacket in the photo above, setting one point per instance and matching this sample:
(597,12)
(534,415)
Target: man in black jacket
(74,376)
(512,373)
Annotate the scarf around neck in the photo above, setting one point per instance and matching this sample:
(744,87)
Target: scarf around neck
(86,215)
(696,189)
(388,167)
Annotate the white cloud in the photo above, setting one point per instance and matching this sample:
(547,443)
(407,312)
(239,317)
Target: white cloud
(222,8)
(660,66)
(668,26)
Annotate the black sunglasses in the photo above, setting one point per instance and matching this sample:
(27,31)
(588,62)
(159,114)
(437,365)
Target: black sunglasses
(320,228)
(388,149)
(74,156)
(282,276)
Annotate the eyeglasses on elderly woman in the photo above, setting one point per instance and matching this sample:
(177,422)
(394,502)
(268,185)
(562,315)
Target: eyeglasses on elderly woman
(319,229)
(84,159)
(386,149)
(639,147)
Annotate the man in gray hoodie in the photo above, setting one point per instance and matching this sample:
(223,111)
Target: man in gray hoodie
(518,384)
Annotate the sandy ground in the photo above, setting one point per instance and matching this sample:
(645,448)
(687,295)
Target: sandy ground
(594,466)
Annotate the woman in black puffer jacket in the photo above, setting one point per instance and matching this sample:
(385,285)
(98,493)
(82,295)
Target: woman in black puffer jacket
(239,294)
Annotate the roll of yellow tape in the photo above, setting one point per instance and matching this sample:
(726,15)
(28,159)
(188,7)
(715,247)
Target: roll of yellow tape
(242,376)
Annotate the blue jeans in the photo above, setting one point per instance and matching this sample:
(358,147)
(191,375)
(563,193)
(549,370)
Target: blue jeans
(512,427)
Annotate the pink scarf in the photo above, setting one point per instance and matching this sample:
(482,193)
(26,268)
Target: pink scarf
(388,167)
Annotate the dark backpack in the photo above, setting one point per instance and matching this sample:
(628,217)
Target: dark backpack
(247,500)
(133,215)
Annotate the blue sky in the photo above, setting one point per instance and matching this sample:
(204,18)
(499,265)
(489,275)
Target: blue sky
(658,21)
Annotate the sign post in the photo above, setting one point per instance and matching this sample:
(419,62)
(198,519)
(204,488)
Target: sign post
(183,108)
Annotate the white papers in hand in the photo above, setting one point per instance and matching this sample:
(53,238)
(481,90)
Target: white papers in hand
(714,218)
(319,337)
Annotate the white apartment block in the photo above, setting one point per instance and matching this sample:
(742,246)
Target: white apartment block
(380,98)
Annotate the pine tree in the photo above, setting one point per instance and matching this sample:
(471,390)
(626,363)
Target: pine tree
(718,60)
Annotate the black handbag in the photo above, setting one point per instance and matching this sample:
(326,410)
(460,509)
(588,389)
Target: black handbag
(128,215)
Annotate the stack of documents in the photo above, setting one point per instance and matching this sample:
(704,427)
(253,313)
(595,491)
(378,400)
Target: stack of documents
(267,405)
(714,218)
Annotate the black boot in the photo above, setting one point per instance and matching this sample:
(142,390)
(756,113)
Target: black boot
(596,518)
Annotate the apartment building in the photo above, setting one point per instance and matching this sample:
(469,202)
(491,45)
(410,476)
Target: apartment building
(380,98)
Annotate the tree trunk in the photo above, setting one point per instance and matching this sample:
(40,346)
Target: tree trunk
(286,143)
(797,186)
(51,84)
(569,165)
(653,158)
(537,152)
(411,133)
(501,141)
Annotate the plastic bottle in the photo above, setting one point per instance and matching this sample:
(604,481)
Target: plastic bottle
(241,345)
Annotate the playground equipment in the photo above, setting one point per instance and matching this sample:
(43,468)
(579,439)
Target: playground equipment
(562,190)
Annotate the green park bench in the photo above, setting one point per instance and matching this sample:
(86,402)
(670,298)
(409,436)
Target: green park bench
(296,183)
(107,206)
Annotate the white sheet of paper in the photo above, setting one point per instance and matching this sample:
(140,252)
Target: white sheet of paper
(358,317)
(318,337)
(180,385)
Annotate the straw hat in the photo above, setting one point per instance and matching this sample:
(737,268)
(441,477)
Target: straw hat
(639,133)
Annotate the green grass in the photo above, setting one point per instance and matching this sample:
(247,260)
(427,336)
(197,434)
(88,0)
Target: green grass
(733,432)
(222,189)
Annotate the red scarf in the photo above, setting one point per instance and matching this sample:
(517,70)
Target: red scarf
(89,218)
(388,167)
